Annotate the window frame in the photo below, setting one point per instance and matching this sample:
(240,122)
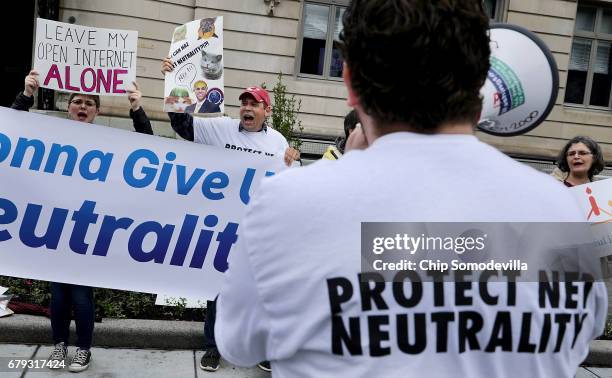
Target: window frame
(595,37)
(329,40)
(500,7)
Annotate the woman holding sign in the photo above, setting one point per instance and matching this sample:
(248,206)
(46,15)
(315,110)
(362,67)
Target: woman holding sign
(581,159)
(68,298)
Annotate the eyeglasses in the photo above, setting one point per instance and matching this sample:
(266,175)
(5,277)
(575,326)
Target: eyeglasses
(200,88)
(579,153)
(79,102)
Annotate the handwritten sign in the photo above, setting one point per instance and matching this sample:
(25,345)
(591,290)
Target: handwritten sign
(83,59)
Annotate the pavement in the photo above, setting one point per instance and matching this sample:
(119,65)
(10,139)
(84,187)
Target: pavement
(121,362)
(156,348)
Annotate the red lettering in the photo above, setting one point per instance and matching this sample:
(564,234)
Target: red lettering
(117,81)
(84,86)
(68,86)
(54,74)
(105,80)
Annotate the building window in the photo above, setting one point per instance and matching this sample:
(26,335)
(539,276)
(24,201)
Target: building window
(589,77)
(494,9)
(319,55)
(322,24)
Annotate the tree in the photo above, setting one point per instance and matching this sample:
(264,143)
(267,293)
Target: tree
(285,112)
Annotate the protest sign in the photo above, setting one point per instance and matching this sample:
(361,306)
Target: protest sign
(96,206)
(196,83)
(595,199)
(83,59)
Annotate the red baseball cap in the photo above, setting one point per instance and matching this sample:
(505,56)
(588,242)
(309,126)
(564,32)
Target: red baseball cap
(259,94)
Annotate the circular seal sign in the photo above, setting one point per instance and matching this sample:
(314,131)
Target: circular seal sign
(215,96)
(522,82)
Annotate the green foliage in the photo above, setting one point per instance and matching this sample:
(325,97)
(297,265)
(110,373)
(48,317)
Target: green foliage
(608,329)
(109,303)
(285,114)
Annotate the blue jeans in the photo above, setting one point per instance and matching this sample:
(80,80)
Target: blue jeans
(65,298)
(209,324)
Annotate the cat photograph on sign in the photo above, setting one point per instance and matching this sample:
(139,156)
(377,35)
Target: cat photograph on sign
(196,83)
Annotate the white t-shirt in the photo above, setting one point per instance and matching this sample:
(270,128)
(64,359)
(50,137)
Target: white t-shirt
(224,132)
(275,304)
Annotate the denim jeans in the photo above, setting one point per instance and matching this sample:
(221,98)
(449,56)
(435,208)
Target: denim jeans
(209,324)
(65,298)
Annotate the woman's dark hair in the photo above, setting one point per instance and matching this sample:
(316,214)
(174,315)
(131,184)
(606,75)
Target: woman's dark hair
(419,62)
(598,161)
(350,122)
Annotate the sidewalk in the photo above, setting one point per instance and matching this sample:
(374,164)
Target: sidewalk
(146,363)
(156,348)
(128,363)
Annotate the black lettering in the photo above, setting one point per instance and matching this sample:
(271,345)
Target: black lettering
(545,334)
(371,293)
(336,298)
(524,345)
(470,323)
(549,290)
(571,289)
(378,335)
(420,336)
(416,292)
(579,321)
(442,319)
(562,320)
(351,340)
(501,335)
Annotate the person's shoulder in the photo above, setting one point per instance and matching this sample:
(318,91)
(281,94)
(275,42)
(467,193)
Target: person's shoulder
(221,121)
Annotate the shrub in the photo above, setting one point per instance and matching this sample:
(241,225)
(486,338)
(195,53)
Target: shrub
(109,303)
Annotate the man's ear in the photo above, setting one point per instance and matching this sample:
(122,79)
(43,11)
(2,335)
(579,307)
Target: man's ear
(352,98)
(268,110)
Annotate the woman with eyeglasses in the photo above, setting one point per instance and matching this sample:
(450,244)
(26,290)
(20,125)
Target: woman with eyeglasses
(581,159)
(68,299)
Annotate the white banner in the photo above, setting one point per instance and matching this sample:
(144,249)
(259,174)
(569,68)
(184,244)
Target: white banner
(595,199)
(196,83)
(102,207)
(83,59)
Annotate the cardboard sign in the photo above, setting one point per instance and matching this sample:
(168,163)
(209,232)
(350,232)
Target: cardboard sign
(196,83)
(83,59)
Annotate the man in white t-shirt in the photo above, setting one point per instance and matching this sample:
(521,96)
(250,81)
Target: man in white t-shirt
(293,294)
(250,134)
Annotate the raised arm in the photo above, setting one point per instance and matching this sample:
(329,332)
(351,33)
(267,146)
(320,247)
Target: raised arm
(25,99)
(142,124)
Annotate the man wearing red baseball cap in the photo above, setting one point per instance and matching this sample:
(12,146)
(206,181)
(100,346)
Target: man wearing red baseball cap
(250,133)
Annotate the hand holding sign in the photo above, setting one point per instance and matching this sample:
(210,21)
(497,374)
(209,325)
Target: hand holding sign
(166,65)
(134,95)
(31,84)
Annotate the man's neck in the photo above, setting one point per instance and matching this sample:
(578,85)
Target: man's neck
(373,133)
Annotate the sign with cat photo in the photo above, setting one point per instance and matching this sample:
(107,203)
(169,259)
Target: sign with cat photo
(195,84)
(83,59)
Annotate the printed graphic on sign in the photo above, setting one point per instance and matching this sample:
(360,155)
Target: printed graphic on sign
(510,92)
(595,199)
(83,59)
(522,82)
(196,83)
